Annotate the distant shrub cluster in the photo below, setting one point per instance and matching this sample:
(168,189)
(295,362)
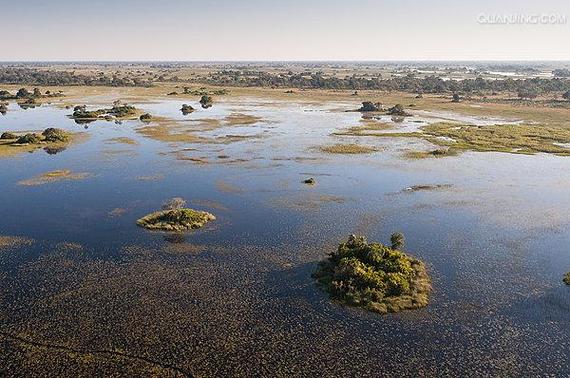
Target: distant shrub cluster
(34,76)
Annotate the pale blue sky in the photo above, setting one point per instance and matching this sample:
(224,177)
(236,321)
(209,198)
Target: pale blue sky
(279,30)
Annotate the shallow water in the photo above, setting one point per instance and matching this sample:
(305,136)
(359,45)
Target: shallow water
(245,303)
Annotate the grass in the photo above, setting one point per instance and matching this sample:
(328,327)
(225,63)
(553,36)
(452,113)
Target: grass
(375,277)
(438,153)
(175,220)
(522,139)
(53,176)
(350,148)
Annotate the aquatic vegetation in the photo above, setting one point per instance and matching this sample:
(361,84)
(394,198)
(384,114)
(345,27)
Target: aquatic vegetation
(374,276)
(178,219)
(424,187)
(521,139)
(10,242)
(437,153)
(53,176)
(566,278)
(347,149)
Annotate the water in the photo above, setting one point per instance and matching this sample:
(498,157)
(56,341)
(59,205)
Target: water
(495,242)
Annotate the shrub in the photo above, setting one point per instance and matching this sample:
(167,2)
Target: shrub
(206,101)
(29,139)
(8,135)
(187,109)
(368,106)
(145,117)
(55,135)
(174,203)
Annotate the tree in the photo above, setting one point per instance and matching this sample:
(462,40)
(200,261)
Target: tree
(566,95)
(398,241)
(22,93)
(527,93)
(456,98)
(37,92)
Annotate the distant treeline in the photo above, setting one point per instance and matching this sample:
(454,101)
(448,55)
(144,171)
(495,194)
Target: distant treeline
(408,83)
(33,76)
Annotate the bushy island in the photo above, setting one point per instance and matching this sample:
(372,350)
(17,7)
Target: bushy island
(374,276)
(50,134)
(175,217)
(117,111)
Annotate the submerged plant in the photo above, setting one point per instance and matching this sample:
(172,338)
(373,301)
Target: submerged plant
(374,276)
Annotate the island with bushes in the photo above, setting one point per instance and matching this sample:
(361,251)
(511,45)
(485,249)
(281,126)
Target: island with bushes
(118,111)
(374,276)
(175,217)
(51,139)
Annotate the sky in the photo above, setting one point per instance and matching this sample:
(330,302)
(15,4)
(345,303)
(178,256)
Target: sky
(261,30)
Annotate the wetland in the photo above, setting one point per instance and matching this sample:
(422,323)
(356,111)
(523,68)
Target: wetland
(479,188)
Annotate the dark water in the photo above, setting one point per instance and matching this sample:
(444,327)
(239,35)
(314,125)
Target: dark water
(496,242)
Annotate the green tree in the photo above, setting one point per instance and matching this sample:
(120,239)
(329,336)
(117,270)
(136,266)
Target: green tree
(398,241)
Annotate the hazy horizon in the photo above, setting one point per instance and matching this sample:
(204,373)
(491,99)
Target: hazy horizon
(318,30)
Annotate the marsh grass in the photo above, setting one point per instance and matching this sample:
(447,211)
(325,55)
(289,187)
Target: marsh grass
(53,176)
(350,148)
(437,153)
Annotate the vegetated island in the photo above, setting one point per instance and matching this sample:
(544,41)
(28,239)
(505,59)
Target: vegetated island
(566,279)
(118,111)
(175,217)
(374,276)
(51,139)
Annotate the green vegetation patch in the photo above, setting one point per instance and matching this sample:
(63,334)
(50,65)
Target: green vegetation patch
(53,176)
(174,217)
(350,148)
(522,139)
(566,278)
(374,276)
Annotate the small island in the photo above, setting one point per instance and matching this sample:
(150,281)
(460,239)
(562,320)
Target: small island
(374,276)
(566,279)
(118,111)
(174,217)
(206,101)
(51,139)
